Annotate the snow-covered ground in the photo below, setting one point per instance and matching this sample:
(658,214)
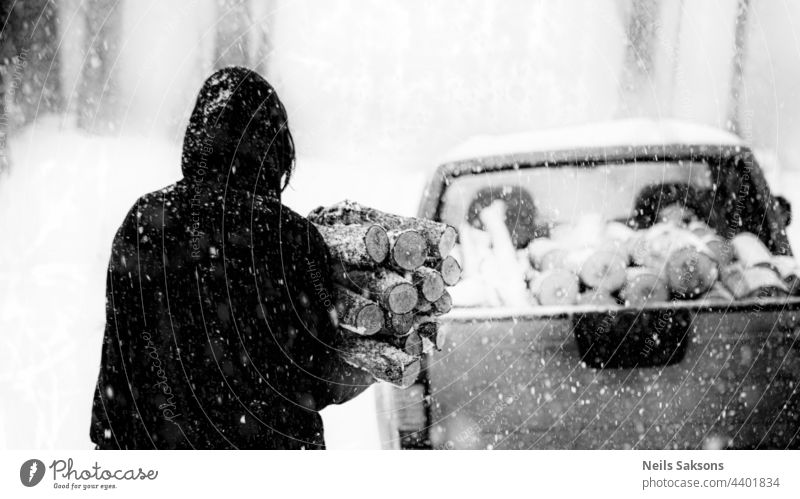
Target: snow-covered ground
(59,209)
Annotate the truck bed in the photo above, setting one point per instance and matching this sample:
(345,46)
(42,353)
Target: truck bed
(672,375)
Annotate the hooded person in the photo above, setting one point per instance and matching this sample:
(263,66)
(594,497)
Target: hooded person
(219,316)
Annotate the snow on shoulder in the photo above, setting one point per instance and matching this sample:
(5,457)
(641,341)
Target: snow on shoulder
(630,132)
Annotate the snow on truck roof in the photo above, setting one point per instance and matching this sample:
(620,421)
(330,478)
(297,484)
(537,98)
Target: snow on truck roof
(619,133)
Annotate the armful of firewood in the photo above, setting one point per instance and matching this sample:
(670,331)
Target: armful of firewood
(390,273)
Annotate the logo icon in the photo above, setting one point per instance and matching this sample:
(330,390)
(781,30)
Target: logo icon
(31,472)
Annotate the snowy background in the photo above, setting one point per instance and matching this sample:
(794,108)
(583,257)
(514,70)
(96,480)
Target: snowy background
(96,93)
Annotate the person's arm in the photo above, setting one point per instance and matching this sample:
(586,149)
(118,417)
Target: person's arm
(339,382)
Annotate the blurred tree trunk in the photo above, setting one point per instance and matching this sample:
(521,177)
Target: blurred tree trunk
(638,67)
(263,19)
(737,76)
(98,106)
(6,54)
(232,39)
(29,66)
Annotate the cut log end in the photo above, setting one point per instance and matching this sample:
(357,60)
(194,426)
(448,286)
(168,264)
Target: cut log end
(555,287)
(355,245)
(643,286)
(444,304)
(690,273)
(377,243)
(399,324)
(450,270)
(402,298)
(356,313)
(429,282)
(370,318)
(603,270)
(447,242)
(410,344)
(409,250)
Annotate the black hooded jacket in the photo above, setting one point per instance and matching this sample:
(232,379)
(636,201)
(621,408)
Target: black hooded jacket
(218,313)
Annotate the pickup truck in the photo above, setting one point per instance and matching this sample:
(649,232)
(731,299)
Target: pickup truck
(683,374)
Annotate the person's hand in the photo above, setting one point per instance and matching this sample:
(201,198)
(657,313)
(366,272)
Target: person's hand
(345,382)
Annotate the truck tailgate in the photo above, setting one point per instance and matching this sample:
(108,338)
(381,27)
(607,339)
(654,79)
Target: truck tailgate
(704,377)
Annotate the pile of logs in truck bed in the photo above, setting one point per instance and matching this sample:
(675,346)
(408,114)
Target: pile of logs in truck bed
(391,275)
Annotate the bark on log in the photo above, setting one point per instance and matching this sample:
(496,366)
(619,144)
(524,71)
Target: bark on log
(642,286)
(408,249)
(383,361)
(600,269)
(429,283)
(389,289)
(358,246)
(440,238)
(555,287)
(424,307)
(450,270)
(749,249)
(356,313)
(430,330)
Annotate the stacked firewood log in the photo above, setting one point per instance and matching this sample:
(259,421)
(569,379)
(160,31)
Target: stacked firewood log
(614,264)
(391,275)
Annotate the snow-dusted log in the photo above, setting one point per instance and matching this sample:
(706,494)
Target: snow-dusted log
(357,314)
(749,249)
(690,272)
(720,248)
(389,289)
(599,269)
(642,286)
(410,343)
(787,268)
(429,283)
(450,270)
(700,228)
(618,231)
(546,254)
(555,287)
(399,324)
(382,360)
(440,238)
(359,246)
(753,282)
